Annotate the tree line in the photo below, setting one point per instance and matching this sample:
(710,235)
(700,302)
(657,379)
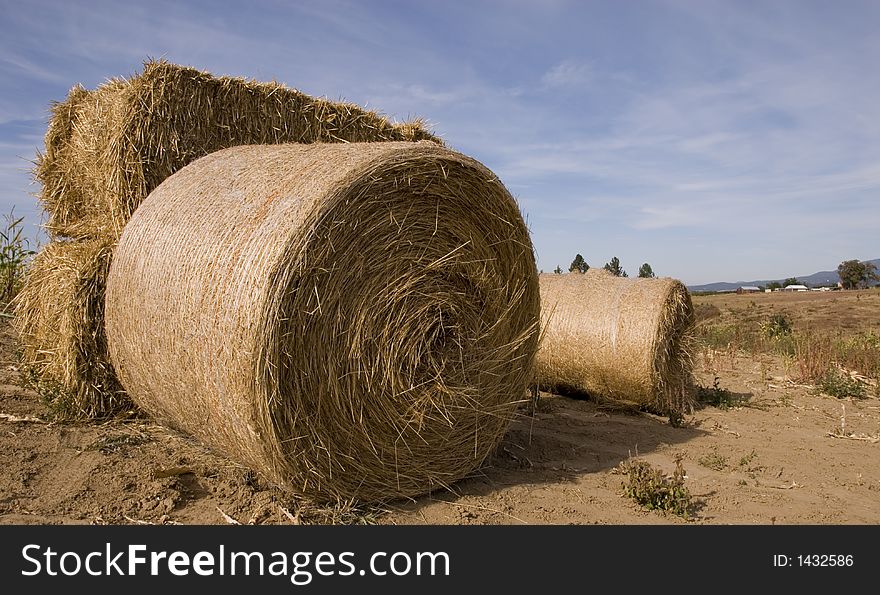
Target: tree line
(579,265)
(853,273)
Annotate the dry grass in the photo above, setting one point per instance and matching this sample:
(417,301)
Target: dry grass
(818,331)
(107,149)
(616,338)
(352,321)
(821,311)
(59,316)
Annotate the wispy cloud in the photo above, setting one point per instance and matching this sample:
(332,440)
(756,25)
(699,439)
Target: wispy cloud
(13,65)
(681,133)
(567,73)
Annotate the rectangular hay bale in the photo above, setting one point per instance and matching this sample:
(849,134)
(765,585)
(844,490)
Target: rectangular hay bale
(59,317)
(107,149)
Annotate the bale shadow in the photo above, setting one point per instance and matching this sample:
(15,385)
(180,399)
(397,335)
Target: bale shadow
(563,440)
(722,398)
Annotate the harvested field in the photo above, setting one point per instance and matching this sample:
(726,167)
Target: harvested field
(774,450)
(818,310)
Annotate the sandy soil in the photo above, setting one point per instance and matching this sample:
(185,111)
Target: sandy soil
(786,455)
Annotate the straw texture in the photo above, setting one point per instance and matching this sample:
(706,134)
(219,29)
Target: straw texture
(352,321)
(105,150)
(59,316)
(617,338)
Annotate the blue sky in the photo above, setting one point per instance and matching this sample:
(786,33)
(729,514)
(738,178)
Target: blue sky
(715,140)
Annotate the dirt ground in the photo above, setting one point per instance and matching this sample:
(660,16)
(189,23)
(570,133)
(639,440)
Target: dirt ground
(785,454)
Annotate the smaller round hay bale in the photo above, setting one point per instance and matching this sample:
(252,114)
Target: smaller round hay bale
(350,320)
(59,317)
(617,338)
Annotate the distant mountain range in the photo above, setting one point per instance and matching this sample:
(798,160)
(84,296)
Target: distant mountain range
(814,280)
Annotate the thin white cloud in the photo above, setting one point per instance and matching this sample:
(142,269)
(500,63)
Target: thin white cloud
(762,115)
(18,66)
(567,73)
(661,217)
(423,95)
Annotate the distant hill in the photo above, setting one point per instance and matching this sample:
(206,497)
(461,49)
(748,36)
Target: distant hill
(814,280)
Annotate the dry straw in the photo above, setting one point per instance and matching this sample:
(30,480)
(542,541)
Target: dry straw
(59,316)
(619,339)
(352,321)
(107,149)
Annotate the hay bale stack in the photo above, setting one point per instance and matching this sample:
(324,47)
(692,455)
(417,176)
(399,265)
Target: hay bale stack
(352,321)
(107,149)
(616,338)
(59,315)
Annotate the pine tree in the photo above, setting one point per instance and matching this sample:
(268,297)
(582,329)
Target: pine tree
(614,268)
(646,272)
(579,264)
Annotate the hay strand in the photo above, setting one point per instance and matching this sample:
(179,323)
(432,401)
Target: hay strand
(616,338)
(352,321)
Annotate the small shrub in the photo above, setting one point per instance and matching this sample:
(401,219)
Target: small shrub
(716,396)
(785,345)
(860,352)
(653,490)
(714,461)
(718,336)
(776,326)
(840,385)
(746,460)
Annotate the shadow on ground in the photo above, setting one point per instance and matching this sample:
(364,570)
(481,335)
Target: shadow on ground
(565,439)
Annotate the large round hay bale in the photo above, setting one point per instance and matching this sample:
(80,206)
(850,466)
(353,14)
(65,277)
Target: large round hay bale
(617,338)
(353,321)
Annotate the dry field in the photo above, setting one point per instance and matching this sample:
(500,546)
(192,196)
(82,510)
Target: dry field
(831,311)
(772,448)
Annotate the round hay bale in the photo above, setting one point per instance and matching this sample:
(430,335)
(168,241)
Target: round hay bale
(620,339)
(352,321)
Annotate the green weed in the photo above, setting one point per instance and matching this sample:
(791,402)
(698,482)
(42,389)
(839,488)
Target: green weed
(714,461)
(654,490)
(840,385)
(14,254)
(716,396)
